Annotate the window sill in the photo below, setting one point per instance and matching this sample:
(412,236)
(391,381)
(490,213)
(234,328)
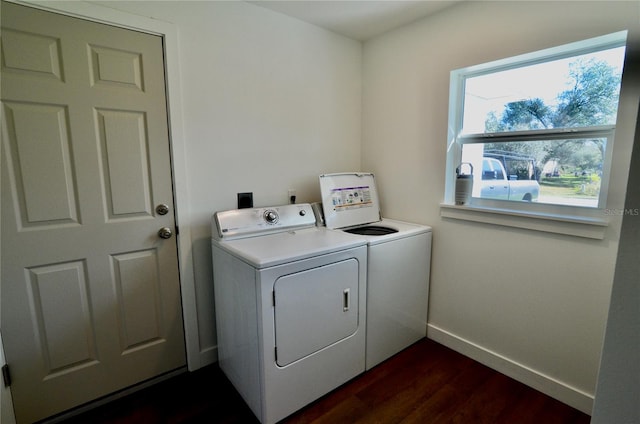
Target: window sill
(559,224)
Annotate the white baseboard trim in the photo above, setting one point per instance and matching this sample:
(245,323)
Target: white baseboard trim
(208,356)
(556,389)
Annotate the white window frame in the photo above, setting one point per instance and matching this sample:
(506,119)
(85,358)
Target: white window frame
(574,220)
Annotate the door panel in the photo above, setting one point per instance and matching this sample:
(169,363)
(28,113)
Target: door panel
(116,68)
(138,295)
(59,302)
(314,309)
(43,58)
(39,162)
(90,293)
(125,163)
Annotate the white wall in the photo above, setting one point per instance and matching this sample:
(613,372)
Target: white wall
(618,389)
(269,103)
(532,304)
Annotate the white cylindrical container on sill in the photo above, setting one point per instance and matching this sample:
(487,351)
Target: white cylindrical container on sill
(464,185)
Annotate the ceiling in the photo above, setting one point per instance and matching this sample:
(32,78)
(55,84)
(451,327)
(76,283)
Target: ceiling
(357,19)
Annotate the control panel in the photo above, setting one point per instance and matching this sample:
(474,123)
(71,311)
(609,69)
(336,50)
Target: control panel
(239,223)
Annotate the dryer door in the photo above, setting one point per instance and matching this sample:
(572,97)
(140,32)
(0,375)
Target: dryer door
(314,309)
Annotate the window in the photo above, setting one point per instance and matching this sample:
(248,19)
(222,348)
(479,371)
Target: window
(538,129)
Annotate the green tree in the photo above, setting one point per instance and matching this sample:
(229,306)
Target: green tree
(587,158)
(591,99)
(531,114)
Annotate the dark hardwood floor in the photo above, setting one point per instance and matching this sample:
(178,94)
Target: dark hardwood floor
(426,383)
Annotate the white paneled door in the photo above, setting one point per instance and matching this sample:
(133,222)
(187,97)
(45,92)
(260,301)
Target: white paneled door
(90,288)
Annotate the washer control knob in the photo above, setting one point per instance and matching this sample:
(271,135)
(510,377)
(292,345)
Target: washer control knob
(271,216)
(303,212)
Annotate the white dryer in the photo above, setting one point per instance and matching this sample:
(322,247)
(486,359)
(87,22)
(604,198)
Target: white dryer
(290,303)
(399,263)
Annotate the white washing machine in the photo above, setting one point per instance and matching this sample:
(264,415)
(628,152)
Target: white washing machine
(290,303)
(399,263)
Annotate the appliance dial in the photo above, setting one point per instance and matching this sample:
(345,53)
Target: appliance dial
(270,216)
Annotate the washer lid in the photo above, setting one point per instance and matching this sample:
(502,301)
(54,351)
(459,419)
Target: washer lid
(349,199)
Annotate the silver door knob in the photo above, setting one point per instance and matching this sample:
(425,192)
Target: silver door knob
(165,232)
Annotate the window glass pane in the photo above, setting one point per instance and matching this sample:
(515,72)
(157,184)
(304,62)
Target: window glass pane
(579,91)
(558,172)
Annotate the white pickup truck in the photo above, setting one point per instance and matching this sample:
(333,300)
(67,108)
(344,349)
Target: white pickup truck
(496,184)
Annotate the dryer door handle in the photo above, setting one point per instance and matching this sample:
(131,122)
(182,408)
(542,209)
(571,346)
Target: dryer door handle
(345,300)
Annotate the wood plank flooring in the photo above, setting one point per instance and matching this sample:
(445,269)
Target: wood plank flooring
(426,383)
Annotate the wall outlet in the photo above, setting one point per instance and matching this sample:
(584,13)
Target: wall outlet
(291,195)
(245,200)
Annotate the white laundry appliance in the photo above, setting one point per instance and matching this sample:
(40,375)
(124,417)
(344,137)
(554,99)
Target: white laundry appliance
(290,303)
(399,262)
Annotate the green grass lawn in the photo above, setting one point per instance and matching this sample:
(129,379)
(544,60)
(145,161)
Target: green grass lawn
(570,186)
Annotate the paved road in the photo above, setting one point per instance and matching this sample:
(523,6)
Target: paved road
(572,201)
